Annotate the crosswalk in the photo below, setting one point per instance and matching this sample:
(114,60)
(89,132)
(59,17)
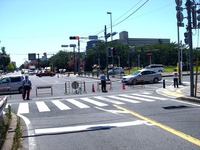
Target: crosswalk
(83,102)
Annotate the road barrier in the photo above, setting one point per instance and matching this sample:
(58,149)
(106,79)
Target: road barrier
(3,103)
(44,87)
(75,87)
(107,83)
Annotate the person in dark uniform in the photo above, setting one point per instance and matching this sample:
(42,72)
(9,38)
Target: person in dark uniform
(103,82)
(27,88)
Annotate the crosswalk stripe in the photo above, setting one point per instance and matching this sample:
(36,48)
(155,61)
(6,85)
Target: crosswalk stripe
(124,99)
(148,96)
(60,105)
(137,98)
(42,107)
(108,100)
(23,108)
(77,103)
(94,102)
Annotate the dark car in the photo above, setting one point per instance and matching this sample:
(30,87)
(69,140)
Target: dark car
(186,67)
(45,73)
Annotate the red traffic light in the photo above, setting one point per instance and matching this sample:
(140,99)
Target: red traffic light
(74,37)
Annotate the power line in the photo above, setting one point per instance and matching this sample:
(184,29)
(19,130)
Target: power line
(101,31)
(131,13)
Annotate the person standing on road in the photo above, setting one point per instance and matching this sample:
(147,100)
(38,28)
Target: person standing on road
(175,78)
(26,88)
(103,82)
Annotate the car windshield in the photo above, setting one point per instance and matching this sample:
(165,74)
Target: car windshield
(136,72)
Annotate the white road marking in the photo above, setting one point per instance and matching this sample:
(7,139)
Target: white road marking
(88,127)
(137,98)
(158,98)
(23,108)
(124,99)
(42,107)
(94,102)
(77,103)
(108,100)
(60,105)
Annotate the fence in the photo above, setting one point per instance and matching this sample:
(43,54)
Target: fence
(75,87)
(107,83)
(44,87)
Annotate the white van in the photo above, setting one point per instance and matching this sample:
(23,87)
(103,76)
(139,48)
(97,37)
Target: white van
(156,67)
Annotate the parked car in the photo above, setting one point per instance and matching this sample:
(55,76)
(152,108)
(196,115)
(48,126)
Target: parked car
(144,75)
(45,73)
(11,84)
(116,70)
(156,67)
(186,67)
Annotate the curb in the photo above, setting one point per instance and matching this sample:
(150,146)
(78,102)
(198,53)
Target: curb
(8,143)
(189,99)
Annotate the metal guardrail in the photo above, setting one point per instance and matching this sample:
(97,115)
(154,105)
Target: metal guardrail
(107,83)
(44,87)
(3,103)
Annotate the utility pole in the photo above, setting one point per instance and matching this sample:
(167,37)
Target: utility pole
(105,34)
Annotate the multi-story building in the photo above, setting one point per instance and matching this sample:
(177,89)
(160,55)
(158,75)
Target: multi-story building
(124,39)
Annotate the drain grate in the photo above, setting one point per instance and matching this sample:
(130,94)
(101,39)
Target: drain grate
(176,107)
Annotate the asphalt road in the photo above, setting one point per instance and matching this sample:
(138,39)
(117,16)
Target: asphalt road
(135,118)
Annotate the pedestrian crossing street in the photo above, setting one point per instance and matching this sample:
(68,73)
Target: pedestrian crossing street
(84,102)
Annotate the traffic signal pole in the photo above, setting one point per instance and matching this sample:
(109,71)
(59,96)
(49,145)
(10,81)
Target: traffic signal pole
(188,5)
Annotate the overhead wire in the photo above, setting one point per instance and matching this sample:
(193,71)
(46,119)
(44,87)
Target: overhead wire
(101,31)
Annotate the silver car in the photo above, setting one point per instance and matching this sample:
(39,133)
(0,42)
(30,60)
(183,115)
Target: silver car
(11,84)
(142,76)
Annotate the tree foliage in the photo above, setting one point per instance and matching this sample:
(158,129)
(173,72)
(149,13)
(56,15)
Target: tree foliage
(4,59)
(166,54)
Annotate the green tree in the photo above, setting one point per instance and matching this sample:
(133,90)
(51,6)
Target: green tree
(4,59)
(59,60)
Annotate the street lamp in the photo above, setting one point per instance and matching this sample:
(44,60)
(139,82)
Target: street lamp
(110,24)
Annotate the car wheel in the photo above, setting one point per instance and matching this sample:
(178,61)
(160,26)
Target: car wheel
(134,81)
(155,80)
(20,90)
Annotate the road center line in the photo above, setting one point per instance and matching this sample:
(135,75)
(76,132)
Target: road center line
(167,128)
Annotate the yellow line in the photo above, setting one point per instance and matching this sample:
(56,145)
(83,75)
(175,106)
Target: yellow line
(167,128)
(173,93)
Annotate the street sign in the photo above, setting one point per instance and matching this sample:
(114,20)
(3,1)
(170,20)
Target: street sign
(149,53)
(93,37)
(32,56)
(75,85)
(64,45)
(72,45)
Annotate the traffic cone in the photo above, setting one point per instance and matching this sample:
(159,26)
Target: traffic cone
(123,85)
(93,90)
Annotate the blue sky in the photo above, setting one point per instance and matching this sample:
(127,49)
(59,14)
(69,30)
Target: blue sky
(38,26)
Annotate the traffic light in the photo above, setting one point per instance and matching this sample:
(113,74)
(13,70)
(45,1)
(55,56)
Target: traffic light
(186,38)
(74,37)
(113,51)
(179,14)
(198,18)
